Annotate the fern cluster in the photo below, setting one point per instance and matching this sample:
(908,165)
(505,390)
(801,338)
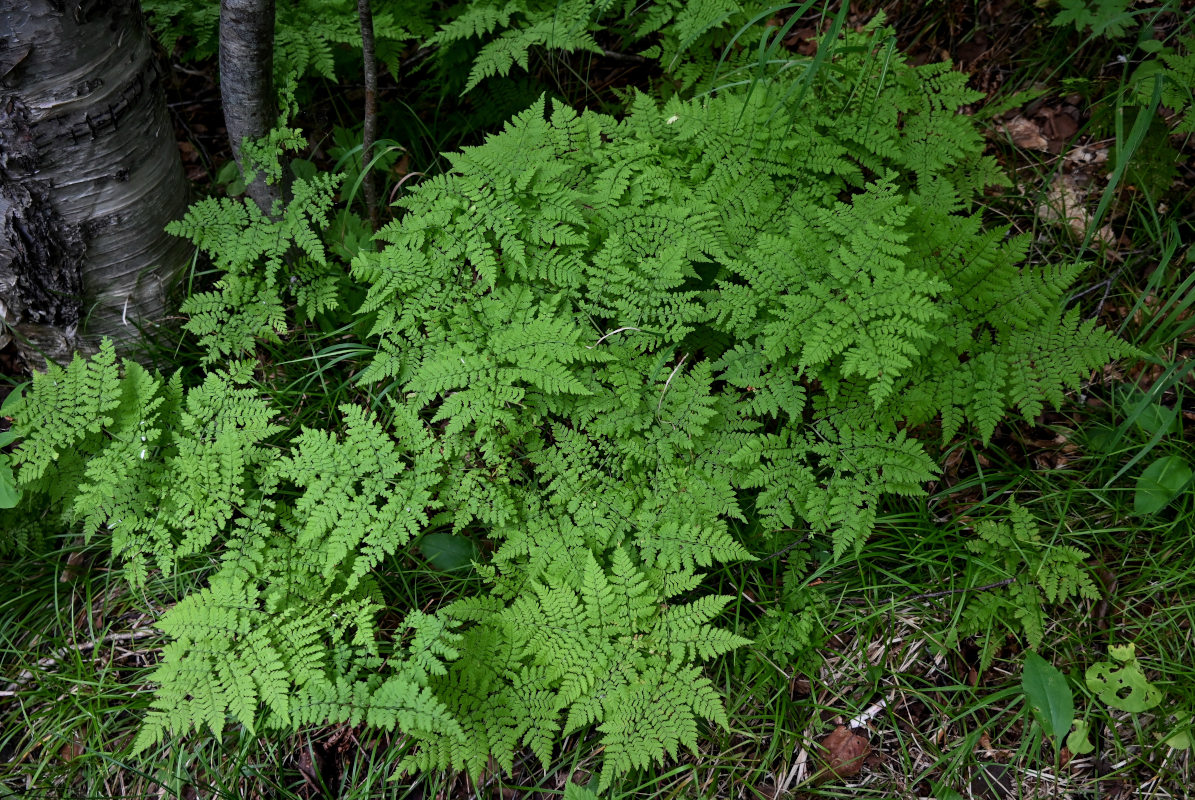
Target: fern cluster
(1034,574)
(684,38)
(602,349)
(268,264)
(1172,74)
(478,39)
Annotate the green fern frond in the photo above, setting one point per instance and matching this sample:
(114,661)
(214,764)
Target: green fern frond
(602,349)
(63,409)
(1039,574)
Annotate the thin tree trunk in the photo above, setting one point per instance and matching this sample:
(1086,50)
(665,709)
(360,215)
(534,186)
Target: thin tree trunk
(89,176)
(247,83)
(369,132)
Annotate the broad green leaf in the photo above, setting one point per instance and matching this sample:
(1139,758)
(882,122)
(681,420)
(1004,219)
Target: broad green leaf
(1125,688)
(10,402)
(1102,440)
(1049,696)
(447,551)
(228,173)
(303,169)
(10,495)
(1179,740)
(1160,483)
(1155,417)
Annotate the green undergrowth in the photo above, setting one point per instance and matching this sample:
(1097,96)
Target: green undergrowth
(465,45)
(638,447)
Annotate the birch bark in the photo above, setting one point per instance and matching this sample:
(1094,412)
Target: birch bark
(246,83)
(89,176)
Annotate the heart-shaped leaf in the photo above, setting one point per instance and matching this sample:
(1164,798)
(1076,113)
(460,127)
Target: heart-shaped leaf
(1179,739)
(1160,483)
(447,551)
(1049,696)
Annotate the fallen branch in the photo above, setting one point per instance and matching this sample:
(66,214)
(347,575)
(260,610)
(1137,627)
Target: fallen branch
(52,660)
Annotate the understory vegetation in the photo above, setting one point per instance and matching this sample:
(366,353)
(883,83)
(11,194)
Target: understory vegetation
(737,401)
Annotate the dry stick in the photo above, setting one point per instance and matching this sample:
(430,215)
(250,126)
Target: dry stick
(370,128)
(52,661)
(398,184)
(611,333)
(615,55)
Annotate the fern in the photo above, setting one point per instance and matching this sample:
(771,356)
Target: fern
(360,503)
(307,34)
(250,301)
(1175,70)
(1110,18)
(599,646)
(474,41)
(1035,574)
(599,349)
(69,409)
(496,37)
(789,634)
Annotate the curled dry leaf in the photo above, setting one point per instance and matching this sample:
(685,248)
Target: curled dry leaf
(1025,133)
(843,753)
(1065,202)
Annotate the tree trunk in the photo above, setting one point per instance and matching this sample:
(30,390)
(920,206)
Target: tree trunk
(369,130)
(89,176)
(247,83)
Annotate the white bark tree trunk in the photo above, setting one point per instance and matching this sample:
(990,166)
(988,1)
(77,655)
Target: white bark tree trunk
(89,176)
(247,84)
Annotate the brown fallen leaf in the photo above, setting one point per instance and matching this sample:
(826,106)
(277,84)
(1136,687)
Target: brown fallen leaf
(72,749)
(311,765)
(1065,202)
(843,753)
(1025,133)
(1061,127)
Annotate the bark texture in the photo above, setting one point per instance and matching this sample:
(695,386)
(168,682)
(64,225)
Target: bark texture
(89,176)
(247,83)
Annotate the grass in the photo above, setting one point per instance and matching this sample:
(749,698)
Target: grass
(76,647)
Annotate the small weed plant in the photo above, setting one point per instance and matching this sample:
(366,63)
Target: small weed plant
(609,355)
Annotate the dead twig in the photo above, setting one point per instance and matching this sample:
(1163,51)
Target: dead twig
(52,660)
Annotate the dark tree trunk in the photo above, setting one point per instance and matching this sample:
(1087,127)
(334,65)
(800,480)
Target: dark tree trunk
(369,131)
(89,176)
(246,83)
